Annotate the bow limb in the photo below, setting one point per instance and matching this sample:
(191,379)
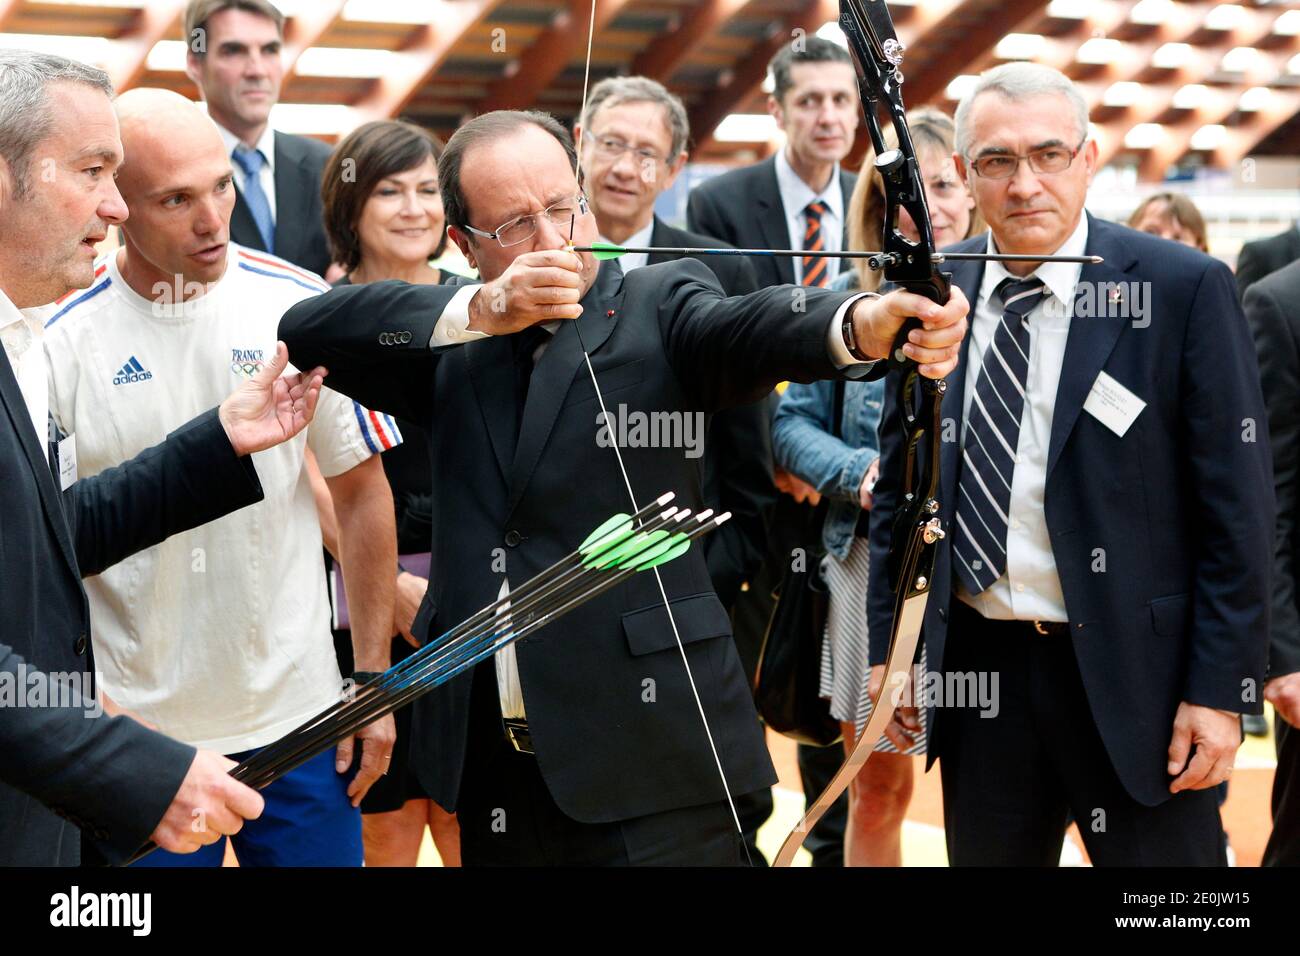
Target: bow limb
(909,264)
(600,397)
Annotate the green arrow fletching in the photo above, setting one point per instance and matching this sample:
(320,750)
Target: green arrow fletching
(674,547)
(607,250)
(619,526)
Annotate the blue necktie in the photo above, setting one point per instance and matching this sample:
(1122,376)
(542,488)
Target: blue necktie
(251,162)
(989,450)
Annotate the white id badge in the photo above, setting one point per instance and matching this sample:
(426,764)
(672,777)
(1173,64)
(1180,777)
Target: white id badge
(1113,405)
(67,462)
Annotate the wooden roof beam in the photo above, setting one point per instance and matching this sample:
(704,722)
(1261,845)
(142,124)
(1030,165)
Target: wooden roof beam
(973,41)
(537,67)
(750,72)
(131,50)
(305,29)
(424,54)
(670,49)
(1242,140)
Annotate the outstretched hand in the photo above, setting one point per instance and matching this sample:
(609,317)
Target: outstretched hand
(271,407)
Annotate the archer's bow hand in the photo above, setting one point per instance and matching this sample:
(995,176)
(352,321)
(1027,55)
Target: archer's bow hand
(934,346)
(537,287)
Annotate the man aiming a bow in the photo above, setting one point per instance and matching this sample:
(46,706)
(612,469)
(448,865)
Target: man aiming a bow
(586,743)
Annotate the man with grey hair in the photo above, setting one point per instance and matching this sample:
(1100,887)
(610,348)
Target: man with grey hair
(65,761)
(1110,506)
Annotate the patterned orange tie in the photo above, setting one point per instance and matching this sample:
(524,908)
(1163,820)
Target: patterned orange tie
(816,269)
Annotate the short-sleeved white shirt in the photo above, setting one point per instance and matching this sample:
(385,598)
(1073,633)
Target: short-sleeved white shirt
(219,635)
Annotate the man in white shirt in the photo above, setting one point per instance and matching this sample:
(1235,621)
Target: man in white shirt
(1109,512)
(234,58)
(221,636)
(65,764)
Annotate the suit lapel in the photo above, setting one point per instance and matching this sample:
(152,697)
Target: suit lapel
(847,183)
(292,204)
(1094,331)
(492,373)
(772,225)
(660,235)
(242,227)
(554,374)
(11,397)
(968,276)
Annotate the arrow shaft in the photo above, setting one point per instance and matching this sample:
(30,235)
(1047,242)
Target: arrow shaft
(881,257)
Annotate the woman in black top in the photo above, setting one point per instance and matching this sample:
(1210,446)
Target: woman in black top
(384,219)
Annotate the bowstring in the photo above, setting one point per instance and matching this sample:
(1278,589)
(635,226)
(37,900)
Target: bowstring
(618,453)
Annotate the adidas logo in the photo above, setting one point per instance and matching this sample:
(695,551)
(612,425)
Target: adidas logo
(132,371)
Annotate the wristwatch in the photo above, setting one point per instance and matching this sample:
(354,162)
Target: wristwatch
(850,339)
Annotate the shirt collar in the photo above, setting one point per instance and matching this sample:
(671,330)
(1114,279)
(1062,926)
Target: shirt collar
(797,194)
(641,237)
(265,145)
(1062,278)
(10,314)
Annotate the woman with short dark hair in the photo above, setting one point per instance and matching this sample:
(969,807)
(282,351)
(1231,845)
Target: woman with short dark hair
(384,219)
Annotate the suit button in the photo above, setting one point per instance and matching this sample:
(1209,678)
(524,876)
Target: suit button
(79,648)
(513,538)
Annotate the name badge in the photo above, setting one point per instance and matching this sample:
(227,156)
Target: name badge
(1113,405)
(67,451)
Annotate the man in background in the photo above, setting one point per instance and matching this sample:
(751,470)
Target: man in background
(234,59)
(67,764)
(220,636)
(634,137)
(797,199)
(1273,307)
(1265,256)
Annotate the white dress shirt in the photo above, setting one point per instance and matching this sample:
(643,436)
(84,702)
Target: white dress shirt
(1030,589)
(795,197)
(21,333)
(638,239)
(266,146)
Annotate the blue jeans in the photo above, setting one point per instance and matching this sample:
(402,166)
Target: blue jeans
(308,821)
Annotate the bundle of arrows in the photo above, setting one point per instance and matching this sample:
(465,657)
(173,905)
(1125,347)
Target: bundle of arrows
(622,546)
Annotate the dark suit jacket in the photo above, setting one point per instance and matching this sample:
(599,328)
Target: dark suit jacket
(661,339)
(299,217)
(1263,256)
(1180,509)
(743,207)
(738,453)
(1273,310)
(109,776)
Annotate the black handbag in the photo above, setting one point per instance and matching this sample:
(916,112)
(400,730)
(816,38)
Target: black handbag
(788,681)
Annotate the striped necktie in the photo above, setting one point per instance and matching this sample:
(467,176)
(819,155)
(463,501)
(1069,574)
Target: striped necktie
(251,162)
(816,269)
(989,451)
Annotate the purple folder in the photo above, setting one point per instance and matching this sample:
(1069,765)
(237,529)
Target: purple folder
(417,564)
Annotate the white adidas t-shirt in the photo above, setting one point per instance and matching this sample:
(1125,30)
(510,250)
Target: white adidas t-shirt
(219,635)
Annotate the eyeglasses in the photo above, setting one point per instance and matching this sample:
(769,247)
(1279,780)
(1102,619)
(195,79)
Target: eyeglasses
(524,228)
(1049,159)
(611,147)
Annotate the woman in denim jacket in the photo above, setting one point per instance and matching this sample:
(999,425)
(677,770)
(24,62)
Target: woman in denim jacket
(844,468)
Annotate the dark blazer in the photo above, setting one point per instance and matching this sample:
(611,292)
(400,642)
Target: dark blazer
(299,216)
(1273,309)
(59,769)
(738,452)
(1264,256)
(1180,509)
(661,339)
(743,207)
